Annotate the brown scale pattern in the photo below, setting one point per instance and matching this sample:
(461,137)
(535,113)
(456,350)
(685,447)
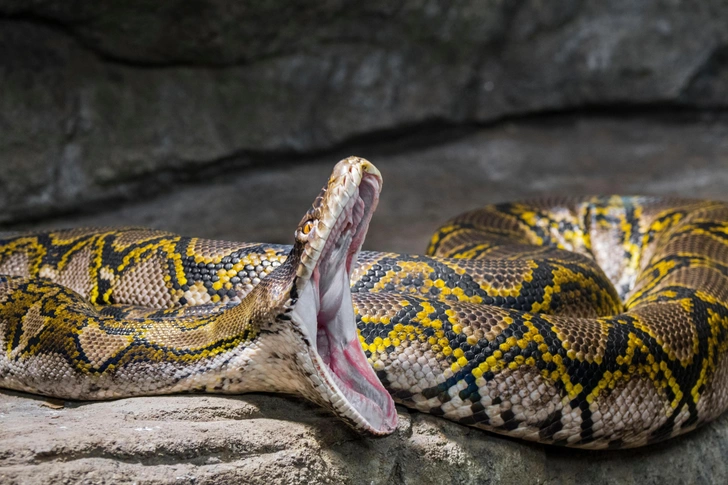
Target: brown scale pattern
(135,237)
(514,322)
(669,321)
(144,285)
(75,274)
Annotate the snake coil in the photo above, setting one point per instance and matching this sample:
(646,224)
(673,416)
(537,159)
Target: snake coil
(596,322)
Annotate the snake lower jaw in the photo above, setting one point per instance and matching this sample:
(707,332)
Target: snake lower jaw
(344,380)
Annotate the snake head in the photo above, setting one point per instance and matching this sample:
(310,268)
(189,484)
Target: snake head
(328,240)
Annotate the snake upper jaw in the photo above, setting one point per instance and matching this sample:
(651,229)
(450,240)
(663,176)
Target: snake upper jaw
(327,242)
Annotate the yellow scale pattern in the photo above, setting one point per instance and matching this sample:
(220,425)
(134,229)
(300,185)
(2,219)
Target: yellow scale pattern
(589,322)
(604,373)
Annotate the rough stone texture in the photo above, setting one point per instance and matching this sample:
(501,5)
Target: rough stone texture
(268,439)
(262,439)
(424,185)
(102,100)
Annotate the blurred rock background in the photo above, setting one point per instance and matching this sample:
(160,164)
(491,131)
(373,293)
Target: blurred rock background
(223,119)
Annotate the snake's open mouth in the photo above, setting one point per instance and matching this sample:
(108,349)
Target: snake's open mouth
(333,233)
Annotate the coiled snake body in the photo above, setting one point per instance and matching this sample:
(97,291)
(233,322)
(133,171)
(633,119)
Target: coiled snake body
(590,322)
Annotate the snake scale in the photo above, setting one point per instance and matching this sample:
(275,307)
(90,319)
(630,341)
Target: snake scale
(593,322)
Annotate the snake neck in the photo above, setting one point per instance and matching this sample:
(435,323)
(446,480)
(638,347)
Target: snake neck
(309,295)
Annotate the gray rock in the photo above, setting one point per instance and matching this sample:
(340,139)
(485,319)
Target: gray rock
(198,439)
(426,184)
(117,99)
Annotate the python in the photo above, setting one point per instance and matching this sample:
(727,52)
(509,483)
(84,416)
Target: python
(597,322)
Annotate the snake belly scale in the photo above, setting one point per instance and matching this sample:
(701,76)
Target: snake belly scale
(592,322)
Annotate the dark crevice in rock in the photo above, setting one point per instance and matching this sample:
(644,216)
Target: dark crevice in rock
(708,82)
(399,140)
(397,476)
(224,453)
(210,171)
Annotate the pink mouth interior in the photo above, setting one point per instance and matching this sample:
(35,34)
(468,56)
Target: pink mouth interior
(337,341)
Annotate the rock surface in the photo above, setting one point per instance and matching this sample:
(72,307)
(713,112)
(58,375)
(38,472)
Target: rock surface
(261,439)
(104,100)
(199,439)
(426,183)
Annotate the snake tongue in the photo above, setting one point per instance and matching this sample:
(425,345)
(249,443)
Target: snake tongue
(324,310)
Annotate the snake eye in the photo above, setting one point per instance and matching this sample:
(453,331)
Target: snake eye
(307,227)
